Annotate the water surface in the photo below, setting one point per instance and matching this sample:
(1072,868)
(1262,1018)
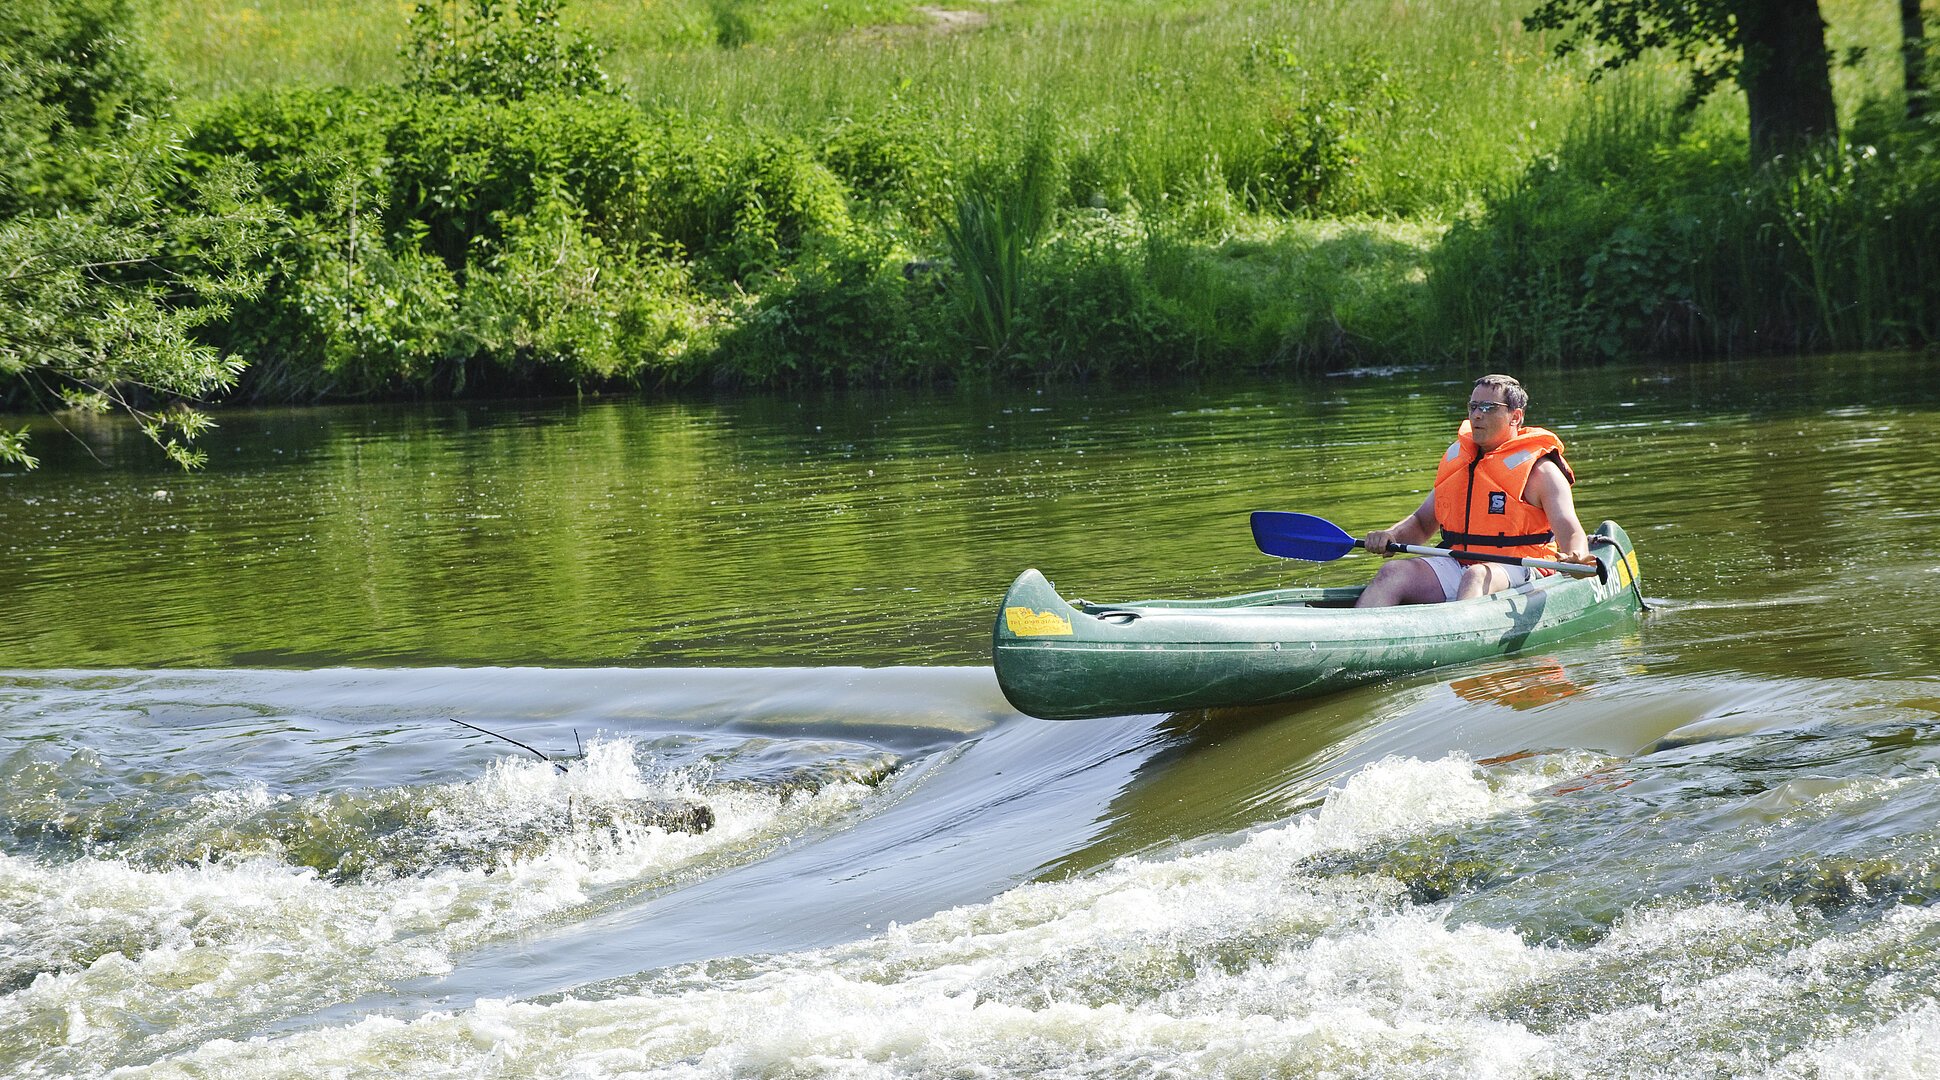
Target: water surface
(790,827)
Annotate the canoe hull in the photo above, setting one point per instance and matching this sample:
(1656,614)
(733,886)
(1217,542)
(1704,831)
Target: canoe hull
(1065,661)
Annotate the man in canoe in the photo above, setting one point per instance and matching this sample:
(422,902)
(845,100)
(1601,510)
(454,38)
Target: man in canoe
(1503,488)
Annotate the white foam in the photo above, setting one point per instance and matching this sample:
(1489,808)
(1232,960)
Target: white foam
(138,960)
(1907,1047)
(1231,962)
(1099,973)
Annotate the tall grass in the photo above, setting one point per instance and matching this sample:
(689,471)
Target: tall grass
(221,46)
(1254,183)
(1434,104)
(1433,110)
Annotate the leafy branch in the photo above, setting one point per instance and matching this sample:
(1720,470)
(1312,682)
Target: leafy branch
(100,310)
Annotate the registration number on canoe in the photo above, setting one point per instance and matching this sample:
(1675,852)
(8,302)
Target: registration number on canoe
(1025,622)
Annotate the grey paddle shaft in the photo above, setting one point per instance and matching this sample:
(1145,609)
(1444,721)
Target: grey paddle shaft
(1573,569)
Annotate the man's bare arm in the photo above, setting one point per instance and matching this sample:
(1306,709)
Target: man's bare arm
(1549,491)
(1416,528)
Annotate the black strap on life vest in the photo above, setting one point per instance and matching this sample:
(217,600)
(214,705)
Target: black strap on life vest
(1483,540)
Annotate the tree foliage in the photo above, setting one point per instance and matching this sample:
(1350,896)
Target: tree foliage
(99,299)
(69,74)
(1774,49)
(110,254)
(1703,36)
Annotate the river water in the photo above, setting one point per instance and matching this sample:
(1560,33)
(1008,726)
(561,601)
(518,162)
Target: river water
(791,828)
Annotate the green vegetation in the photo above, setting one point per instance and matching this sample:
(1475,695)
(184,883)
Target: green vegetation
(511,196)
(113,253)
(1685,249)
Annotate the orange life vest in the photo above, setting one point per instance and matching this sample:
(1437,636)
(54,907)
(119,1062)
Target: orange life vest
(1478,498)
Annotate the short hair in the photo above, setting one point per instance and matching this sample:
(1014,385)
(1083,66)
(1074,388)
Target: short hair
(1512,391)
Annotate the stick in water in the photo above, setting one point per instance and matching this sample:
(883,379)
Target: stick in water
(507,738)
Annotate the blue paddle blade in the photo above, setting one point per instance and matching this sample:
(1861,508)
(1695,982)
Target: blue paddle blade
(1299,536)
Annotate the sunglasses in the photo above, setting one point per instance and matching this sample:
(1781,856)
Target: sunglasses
(1486,407)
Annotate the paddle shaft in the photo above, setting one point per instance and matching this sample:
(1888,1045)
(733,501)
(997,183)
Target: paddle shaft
(1573,569)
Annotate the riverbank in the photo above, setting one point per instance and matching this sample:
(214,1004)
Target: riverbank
(868,192)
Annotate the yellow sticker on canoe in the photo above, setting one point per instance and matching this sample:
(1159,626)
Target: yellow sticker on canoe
(1627,569)
(1024,622)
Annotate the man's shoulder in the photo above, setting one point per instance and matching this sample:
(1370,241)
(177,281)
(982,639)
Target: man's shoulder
(1550,468)
(1537,436)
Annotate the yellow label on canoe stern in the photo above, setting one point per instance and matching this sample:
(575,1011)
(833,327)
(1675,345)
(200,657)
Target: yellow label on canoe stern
(1024,622)
(1627,569)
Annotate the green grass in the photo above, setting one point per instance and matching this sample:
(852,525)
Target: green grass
(1435,107)
(1250,183)
(219,46)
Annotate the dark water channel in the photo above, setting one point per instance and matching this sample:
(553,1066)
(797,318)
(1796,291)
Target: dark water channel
(794,829)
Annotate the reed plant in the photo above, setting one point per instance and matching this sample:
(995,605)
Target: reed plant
(997,221)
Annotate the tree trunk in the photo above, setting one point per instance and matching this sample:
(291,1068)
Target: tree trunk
(1786,74)
(1913,51)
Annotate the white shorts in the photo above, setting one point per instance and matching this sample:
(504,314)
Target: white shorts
(1449,573)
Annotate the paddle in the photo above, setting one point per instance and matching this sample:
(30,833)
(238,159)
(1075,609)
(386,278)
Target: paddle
(1315,539)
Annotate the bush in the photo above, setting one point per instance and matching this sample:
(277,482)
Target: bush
(743,206)
(890,162)
(441,243)
(457,168)
(1091,309)
(555,297)
(1833,249)
(417,220)
(504,50)
(383,318)
(71,75)
(849,313)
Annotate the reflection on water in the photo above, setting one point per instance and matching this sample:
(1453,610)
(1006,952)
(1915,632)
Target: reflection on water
(1520,688)
(882,528)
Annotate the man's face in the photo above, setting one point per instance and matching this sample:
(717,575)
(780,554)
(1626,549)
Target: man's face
(1490,418)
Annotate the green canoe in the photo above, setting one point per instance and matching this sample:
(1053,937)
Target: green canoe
(1067,660)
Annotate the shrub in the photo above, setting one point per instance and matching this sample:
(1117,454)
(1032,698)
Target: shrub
(892,163)
(457,168)
(1697,253)
(1092,309)
(504,50)
(383,315)
(417,219)
(848,313)
(742,206)
(71,73)
(555,299)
